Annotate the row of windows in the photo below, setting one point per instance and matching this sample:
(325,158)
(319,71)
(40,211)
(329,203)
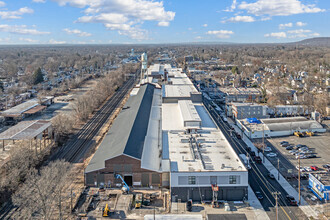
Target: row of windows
(233,179)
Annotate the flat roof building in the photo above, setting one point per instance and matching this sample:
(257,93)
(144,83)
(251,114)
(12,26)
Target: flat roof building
(197,153)
(277,127)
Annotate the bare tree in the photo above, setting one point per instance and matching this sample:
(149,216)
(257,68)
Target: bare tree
(42,192)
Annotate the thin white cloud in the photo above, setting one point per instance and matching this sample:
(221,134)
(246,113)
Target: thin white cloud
(314,35)
(239,18)
(232,7)
(52,41)
(276,35)
(300,24)
(15,14)
(2,4)
(39,1)
(299,31)
(21,29)
(278,7)
(124,16)
(163,23)
(28,40)
(77,32)
(283,26)
(198,37)
(221,33)
(204,25)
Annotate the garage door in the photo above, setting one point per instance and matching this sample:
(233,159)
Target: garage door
(155,179)
(195,195)
(145,179)
(235,194)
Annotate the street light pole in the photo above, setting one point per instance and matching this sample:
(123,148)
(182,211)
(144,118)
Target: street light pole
(263,143)
(278,168)
(299,179)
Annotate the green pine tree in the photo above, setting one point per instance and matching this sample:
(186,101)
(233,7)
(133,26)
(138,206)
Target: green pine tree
(37,76)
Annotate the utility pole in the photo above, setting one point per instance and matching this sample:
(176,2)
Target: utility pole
(276,194)
(278,168)
(71,200)
(299,179)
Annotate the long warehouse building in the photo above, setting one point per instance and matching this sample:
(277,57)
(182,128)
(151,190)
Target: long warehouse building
(169,140)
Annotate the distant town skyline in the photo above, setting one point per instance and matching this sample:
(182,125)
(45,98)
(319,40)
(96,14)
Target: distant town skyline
(169,21)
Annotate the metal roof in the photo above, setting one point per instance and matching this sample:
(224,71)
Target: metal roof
(21,108)
(25,130)
(35,109)
(128,132)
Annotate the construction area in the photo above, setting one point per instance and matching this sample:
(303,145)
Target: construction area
(113,203)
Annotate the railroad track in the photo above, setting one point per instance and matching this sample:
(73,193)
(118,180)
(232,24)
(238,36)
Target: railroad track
(81,142)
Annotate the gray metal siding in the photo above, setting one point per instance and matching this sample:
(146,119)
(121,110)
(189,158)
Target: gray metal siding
(183,180)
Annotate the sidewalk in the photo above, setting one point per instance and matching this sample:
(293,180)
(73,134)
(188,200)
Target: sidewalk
(258,210)
(305,207)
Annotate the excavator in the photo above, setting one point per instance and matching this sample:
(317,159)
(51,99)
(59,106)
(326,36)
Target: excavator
(106,211)
(125,189)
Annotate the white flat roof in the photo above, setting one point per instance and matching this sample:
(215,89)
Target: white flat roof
(178,90)
(180,81)
(188,111)
(213,151)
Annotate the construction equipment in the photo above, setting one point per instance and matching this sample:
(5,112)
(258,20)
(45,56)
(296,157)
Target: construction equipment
(138,200)
(298,134)
(309,133)
(125,189)
(215,190)
(106,211)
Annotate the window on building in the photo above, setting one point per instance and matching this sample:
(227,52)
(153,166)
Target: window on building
(232,179)
(191,180)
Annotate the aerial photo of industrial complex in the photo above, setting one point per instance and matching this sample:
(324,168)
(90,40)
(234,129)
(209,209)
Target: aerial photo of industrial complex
(148,109)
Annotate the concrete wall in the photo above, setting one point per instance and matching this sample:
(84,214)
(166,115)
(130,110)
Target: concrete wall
(203,179)
(205,193)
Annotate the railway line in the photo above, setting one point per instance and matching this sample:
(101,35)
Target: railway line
(75,150)
(77,147)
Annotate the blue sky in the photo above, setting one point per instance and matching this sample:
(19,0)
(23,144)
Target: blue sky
(168,21)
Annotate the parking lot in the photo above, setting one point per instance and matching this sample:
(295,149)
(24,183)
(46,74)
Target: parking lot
(318,144)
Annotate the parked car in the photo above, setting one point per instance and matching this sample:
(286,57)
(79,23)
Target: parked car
(326,166)
(308,169)
(267,149)
(291,200)
(259,195)
(284,142)
(311,156)
(252,153)
(314,168)
(271,155)
(270,175)
(289,148)
(301,156)
(293,152)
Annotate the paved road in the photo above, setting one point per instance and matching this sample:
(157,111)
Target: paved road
(258,179)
